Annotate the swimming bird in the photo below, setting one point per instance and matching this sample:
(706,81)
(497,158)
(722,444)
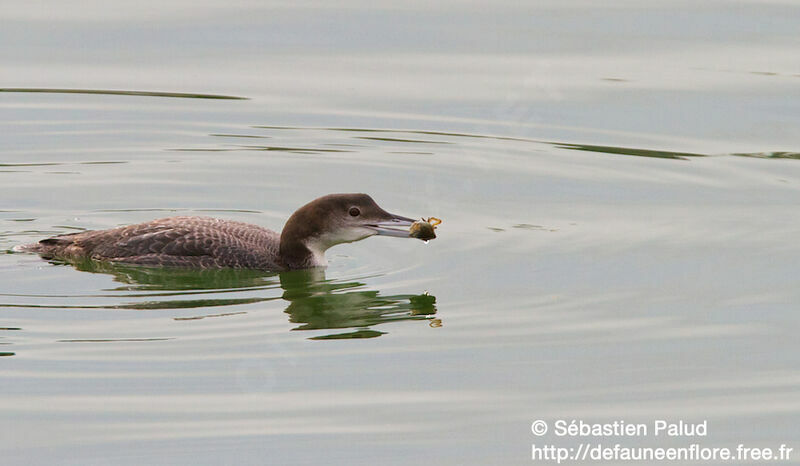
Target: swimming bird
(205,242)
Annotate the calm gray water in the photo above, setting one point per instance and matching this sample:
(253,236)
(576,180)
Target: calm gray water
(618,184)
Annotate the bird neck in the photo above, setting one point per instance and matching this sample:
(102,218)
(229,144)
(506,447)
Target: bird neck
(302,254)
(299,248)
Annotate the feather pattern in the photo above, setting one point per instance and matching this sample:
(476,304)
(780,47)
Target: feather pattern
(203,242)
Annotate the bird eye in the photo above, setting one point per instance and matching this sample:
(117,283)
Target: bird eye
(354,211)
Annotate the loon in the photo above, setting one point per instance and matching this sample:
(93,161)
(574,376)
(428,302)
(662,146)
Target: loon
(207,243)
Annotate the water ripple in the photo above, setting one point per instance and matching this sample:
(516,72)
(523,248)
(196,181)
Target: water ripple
(182,95)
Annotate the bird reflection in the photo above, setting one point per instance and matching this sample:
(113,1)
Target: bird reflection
(177,279)
(314,302)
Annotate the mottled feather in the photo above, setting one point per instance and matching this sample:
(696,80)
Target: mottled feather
(176,241)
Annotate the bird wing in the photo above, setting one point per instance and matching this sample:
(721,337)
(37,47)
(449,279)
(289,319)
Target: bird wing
(179,241)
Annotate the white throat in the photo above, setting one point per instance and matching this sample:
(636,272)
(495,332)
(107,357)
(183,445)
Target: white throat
(317,249)
(320,244)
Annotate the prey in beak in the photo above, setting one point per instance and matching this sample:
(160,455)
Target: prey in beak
(397,226)
(404,227)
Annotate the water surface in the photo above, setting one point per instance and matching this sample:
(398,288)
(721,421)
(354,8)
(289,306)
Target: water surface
(619,192)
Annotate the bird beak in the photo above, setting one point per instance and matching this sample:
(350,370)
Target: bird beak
(396,226)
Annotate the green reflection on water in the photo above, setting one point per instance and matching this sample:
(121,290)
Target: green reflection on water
(314,302)
(628,151)
(770,155)
(178,279)
(351,335)
(632,151)
(415,141)
(182,95)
